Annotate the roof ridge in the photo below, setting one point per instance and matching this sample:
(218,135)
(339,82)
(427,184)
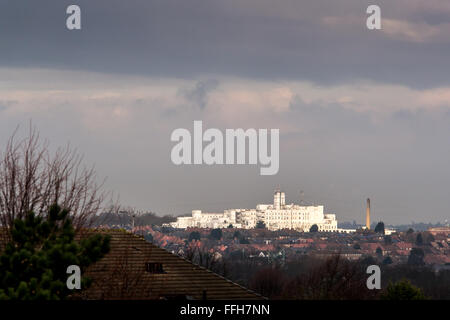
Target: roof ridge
(194,278)
(199,266)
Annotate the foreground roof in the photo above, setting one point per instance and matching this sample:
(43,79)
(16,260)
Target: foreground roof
(137,269)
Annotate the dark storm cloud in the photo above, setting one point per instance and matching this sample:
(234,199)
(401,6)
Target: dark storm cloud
(247,38)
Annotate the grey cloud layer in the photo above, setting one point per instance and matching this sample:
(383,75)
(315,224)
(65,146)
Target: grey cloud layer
(361,113)
(323,41)
(338,144)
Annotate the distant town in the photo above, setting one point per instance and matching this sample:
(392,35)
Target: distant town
(275,216)
(282,230)
(239,242)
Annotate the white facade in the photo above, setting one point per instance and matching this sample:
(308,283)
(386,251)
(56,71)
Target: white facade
(278,215)
(389,231)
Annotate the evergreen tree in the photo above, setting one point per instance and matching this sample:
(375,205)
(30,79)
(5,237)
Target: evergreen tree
(260,225)
(387,260)
(148,237)
(314,228)
(402,290)
(380,227)
(419,239)
(195,235)
(416,257)
(379,251)
(216,234)
(34,263)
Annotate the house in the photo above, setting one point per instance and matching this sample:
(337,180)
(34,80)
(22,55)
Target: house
(439,231)
(298,245)
(370,247)
(137,269)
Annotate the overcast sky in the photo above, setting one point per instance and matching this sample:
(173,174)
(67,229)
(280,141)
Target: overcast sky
(362,113)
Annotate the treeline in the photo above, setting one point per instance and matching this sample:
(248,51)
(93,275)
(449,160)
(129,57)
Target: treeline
(417,226)
(334,278)
(125,218)
(339,279)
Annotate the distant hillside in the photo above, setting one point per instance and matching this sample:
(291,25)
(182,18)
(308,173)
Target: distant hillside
(420,226)
(417,226)
(125,218)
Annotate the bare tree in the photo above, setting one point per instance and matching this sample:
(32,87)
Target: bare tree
(333,279)
(205,256)
(32,179)
(269,282)
(116,214)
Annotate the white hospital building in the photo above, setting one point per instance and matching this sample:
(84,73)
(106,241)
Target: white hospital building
(278,215)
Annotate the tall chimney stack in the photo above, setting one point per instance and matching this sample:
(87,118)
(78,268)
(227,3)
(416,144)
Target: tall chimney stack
(368,214)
